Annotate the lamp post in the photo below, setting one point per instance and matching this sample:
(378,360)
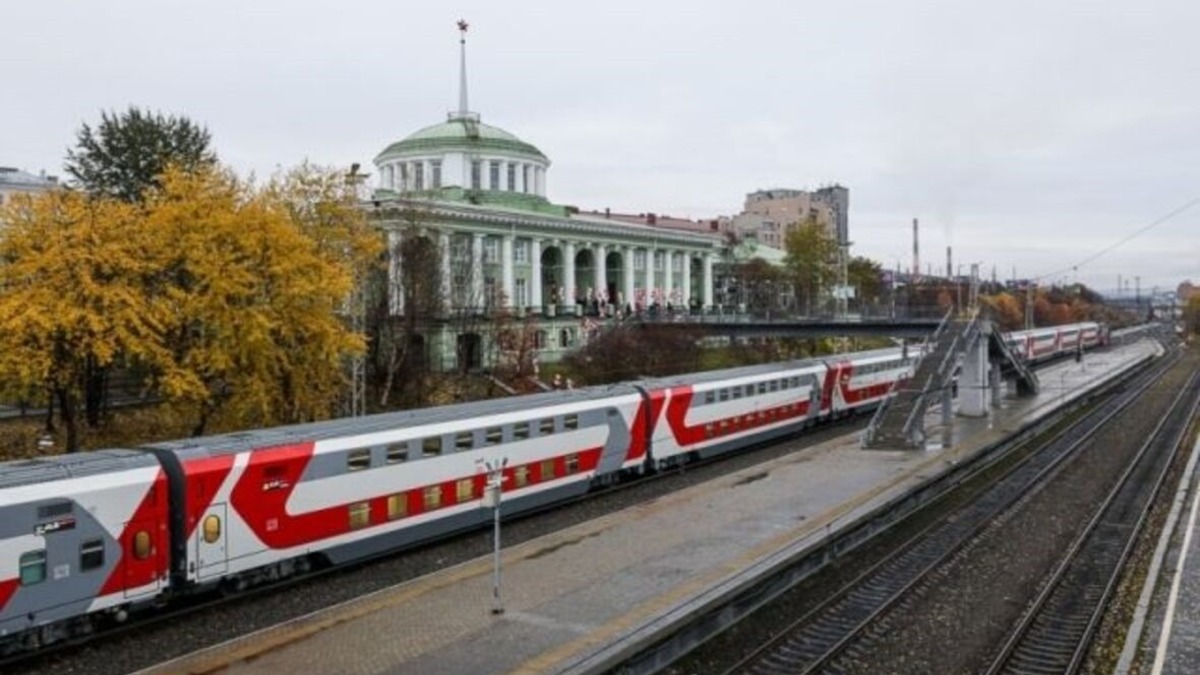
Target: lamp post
(491,498)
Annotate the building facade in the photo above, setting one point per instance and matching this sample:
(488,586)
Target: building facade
(13,181)
(767,215)
(465,210)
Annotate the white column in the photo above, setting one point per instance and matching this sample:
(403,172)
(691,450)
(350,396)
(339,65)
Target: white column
(428,174)
(535,267)
(668,278)
(708,281)
(649,299)
(686,259)
(627,268)
(973,383)
(444,246)
(506,269)
(601,275)
(476,299)
(568,281)
(541,181)
(395,287)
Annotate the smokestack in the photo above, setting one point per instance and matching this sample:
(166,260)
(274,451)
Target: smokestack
(916,250)
(949,262)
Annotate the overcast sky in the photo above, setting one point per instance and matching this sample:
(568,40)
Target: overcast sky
(1025,133)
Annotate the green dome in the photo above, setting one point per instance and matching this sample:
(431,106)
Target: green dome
(459,133)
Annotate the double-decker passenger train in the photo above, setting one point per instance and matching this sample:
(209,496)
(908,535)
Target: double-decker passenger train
(91,537)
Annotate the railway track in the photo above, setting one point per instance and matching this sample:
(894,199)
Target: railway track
(816,639)
(1055,634)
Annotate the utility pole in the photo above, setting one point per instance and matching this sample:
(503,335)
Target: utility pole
(357,309)
(492,494)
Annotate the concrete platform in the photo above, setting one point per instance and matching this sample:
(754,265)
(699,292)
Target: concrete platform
(1165,635)
(579,598)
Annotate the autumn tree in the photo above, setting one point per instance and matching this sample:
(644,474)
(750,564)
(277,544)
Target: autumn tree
(866,276)
(411,276)
(759,284)
(71,296)
(323,203)
(250,304)
(1006,310)
(811,261)
(127,152)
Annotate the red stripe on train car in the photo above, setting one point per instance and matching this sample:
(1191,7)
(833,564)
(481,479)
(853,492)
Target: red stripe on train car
(644,423)
(8,587)
(150,517)
(265,510)
(832,378)
(204,477)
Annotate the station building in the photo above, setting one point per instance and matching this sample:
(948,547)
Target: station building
(467,203)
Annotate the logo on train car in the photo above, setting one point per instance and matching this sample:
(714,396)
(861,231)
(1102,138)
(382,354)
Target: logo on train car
(59,525)
(275,484)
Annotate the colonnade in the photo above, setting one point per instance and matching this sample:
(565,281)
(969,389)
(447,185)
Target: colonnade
(664,277)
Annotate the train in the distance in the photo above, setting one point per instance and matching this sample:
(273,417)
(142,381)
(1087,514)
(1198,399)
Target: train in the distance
(89,538)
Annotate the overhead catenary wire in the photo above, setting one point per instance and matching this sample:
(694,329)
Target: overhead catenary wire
(1117,244)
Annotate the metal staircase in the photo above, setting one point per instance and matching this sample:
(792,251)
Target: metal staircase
(999,349)
(899,423)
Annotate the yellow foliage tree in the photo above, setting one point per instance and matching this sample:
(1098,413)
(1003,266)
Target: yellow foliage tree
(253,302)
(232,298)
(71,300)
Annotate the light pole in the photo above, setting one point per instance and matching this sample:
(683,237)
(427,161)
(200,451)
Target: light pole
(491,498)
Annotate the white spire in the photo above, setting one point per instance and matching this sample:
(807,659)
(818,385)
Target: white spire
(462,74)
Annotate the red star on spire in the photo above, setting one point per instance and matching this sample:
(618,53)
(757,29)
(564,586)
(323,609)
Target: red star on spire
(462,25)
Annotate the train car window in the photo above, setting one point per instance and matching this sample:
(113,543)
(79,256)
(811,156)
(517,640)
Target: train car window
(212,529)
(397,506)
(521,431)
(360,515)
(432,497)
(571,422)
(773,385)
(783,384)
(547,469)
(724,395)
(737,392)
(795,382)
(33,567)
(710,396)
(762,387)
(520,476)
(54,510)
(465,440)
(749,390)
(546,427)
(572,464)
(431,446)
(357,460)
(141,545)
(465,489)
(397,452)
(495,435)
(91,555)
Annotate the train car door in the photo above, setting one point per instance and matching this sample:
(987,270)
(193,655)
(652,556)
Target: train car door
(143,562)
(212,550)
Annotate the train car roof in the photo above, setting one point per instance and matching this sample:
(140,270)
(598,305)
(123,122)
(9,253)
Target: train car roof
(353,426)
(731,373)
(62,467)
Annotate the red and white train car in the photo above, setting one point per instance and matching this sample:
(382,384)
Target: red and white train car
(80,535)
(271,502)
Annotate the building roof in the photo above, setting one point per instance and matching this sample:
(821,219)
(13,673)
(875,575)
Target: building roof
(15,178)
(461,132)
